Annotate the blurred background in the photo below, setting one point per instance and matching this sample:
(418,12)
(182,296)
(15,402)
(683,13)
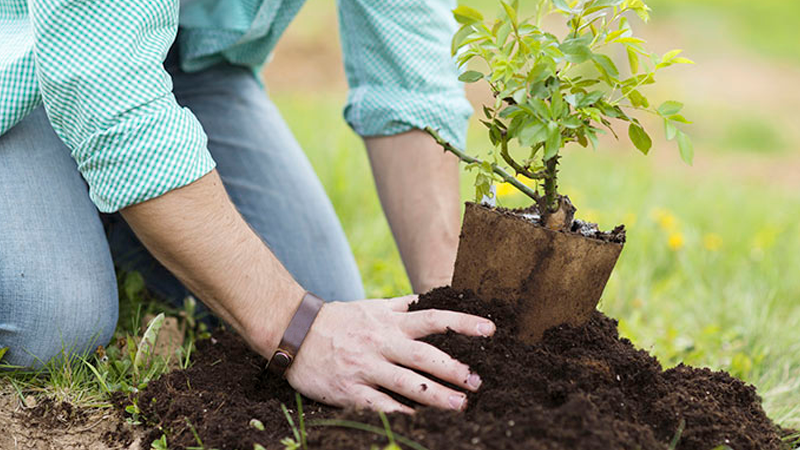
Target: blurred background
(709,275)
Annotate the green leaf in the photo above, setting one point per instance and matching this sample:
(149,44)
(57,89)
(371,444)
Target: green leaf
(641,9)
(682,60)
(520,95)
(572,122)
(592,138)
(637,99)
(502,34)
(257,424)
(466,15)
(686,147)
(533,134)
(148,343)
(562,5)
(3,352)
(678,118)
(557,106)
(160,444)
(539,107)
(553,143)
(670,130)
(633,60)
(606,64)
(458,39)
(614,35)
(631,40)
(670,107)
(590,99)
(538,73)
(640,138)
(470,76)
(511,12)
(605,3)
(575,50)
(669,56)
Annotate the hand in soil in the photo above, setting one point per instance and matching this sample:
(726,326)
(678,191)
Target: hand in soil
(354,349)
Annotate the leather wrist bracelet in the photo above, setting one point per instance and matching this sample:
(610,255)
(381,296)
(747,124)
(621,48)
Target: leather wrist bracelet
(295,334)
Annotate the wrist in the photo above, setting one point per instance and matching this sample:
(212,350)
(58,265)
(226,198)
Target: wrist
(270,317)
(425,285)
(295,334)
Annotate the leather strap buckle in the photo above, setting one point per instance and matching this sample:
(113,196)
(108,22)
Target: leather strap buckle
(295,334)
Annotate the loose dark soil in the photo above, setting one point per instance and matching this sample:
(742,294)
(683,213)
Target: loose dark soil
(579,388)
(587,229)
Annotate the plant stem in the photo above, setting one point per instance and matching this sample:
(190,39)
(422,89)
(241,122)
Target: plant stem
(516,166)
(495,168)
(551,185)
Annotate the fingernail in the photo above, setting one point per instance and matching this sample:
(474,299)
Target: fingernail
(474,381)
(457,402)
(485,328)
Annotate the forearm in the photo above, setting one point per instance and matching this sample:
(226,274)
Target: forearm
(418,186)
(196,232)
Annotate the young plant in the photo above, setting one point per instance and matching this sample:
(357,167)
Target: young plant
(551,92)
(300,438)
(160,444)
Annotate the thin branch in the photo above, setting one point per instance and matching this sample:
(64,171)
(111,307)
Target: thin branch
(495,168)
(524,171)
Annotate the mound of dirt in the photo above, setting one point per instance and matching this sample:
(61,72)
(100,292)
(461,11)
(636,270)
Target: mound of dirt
(580,388)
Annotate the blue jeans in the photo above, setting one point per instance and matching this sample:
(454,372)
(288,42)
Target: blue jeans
(58,287)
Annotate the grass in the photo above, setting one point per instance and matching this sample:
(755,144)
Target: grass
(125,365)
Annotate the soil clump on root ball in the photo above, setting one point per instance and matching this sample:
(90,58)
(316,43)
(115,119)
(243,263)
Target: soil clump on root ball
(579,388)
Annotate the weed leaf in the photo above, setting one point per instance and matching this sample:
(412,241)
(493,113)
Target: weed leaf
(148,343)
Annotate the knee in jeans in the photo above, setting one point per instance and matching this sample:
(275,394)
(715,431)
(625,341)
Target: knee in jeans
(63,319)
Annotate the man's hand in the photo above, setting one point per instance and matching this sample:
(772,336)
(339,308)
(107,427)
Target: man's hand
(418,186)
(355,348)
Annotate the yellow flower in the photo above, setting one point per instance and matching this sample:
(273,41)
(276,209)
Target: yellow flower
(506,190)
(668,222)
(665,219)
(675,241)
(712,242)
(766,237)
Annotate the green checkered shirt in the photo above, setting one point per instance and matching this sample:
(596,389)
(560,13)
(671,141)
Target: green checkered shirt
(97,68)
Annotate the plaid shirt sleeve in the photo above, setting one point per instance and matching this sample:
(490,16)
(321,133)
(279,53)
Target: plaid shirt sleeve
(99,69)
(399,68)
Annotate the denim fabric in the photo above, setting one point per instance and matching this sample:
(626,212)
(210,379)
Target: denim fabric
(57,281)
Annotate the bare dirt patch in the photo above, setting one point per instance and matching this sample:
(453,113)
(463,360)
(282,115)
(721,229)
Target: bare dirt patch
(52,425)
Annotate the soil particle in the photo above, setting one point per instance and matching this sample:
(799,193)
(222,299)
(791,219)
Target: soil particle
(579,388)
